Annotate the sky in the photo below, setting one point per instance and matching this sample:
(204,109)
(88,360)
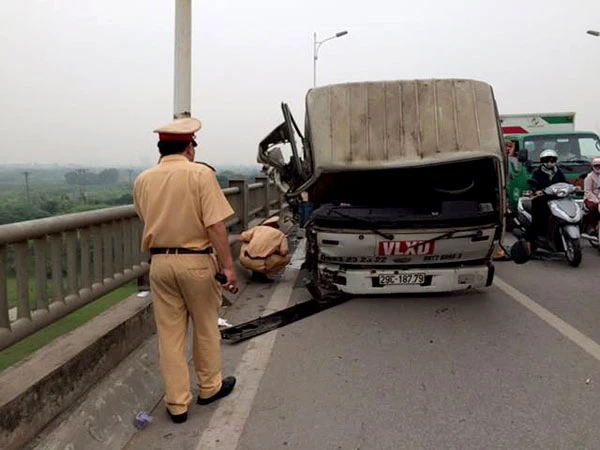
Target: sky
(85,82)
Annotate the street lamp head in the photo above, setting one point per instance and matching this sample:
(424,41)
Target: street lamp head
(593,33)
(317,45)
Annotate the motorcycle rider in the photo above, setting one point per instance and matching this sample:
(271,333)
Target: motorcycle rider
(547,174)
(515,167)
(511,148)
(591,198)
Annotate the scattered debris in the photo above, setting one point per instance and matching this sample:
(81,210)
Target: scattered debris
(441,310)
(223,323)
(279,318)
(142,420)
(226,303)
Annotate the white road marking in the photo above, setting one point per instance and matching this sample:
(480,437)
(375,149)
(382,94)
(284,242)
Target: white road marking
(576,336)
(227,423)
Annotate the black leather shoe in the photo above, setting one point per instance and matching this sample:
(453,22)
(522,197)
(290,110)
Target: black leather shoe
(226,388)
(177,418)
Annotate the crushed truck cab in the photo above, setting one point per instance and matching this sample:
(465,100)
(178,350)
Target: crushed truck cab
(406,181)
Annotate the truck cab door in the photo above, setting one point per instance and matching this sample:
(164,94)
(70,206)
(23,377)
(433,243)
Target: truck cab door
(297,171)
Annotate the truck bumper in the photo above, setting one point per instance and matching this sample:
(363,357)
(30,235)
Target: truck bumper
(367,281)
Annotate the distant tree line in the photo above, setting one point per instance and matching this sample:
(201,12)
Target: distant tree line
(104,178)
(52,202)
(18,209)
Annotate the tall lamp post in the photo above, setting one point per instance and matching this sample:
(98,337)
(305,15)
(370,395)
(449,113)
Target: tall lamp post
(182,97)
(316,46)
(593,33)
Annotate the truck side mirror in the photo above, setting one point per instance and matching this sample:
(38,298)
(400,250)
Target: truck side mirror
(522,156)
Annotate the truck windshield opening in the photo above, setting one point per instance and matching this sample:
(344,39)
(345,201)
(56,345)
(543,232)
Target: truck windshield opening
(571,148)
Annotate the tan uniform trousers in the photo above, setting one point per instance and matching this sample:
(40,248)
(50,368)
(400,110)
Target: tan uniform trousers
(183,287)
(270,265)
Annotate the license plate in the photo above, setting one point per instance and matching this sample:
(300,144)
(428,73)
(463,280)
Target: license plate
(407,278)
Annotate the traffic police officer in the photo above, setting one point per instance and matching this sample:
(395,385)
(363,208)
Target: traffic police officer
(264,249)
(183,210)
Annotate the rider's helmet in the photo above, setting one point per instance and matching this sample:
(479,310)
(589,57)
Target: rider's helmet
(549,158)
(596,165)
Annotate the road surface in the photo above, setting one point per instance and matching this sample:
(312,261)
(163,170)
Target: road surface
(514,366)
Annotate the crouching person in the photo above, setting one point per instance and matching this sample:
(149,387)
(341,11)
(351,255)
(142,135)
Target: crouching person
(264,250)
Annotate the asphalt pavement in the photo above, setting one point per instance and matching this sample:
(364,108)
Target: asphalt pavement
(514,366)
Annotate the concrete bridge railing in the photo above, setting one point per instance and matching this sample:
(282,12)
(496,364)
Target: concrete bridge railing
(59,264)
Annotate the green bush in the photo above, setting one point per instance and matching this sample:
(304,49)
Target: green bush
(16,210)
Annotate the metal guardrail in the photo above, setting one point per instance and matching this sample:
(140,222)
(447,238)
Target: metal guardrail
(65,262)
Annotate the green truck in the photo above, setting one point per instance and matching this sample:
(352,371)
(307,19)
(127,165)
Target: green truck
(533,133)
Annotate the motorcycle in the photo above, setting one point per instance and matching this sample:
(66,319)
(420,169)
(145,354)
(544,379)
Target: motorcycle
(563,228)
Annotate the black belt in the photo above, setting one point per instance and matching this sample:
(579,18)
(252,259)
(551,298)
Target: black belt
(179,250)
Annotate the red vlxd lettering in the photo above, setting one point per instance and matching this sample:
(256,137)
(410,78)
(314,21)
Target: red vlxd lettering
(406,248)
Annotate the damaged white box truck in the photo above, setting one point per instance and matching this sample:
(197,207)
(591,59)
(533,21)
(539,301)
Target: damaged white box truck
(406,181)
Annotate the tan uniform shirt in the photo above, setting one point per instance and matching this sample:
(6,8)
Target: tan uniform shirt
(177,201)
(264,249)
